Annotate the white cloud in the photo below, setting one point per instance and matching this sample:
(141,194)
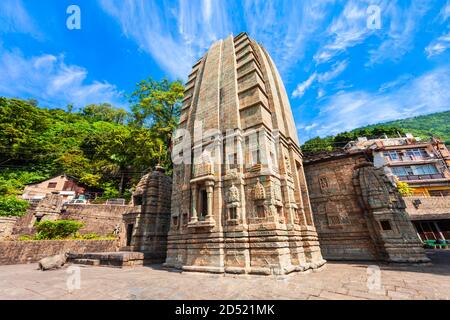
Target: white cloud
(207,10)
(347,30)
(337,69)
(322,78)
(442,43)
(438,46)
(302,87)
(348,110)
(286,27)
(445,11)
(403,25)
(150,25)
(396,83)
(14,18)
(51,81)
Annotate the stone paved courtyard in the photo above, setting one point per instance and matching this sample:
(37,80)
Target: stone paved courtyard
(335,281)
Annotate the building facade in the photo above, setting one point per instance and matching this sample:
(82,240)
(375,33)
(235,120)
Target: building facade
(240,201)
(358,212)
(424,165)
(67,187)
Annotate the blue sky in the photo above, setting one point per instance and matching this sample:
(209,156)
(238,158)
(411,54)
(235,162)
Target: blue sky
(339,73)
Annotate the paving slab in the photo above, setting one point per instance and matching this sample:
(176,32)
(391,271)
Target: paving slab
(337,281)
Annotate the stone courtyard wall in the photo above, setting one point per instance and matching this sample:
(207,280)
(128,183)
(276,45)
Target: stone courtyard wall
(428,208)
(21,252)
(97,218)
(358,212)
(338,216)
(7,226)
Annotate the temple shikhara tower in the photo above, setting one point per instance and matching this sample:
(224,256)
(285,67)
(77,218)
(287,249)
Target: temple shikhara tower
(240,201)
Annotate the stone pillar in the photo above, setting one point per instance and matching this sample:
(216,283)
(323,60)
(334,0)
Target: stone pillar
(209,192)
(194,217)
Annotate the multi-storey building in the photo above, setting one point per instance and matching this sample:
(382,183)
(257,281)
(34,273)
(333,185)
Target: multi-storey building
(424,165)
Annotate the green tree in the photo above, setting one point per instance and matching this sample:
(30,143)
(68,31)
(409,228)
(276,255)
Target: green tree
(11,206)
(157,105)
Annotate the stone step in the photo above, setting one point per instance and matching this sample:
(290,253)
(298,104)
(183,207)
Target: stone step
(88,262)
(114,259)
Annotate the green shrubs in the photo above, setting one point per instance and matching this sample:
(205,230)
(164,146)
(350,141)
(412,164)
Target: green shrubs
(62,230)
(92,236)
(404,189)
(27,238)
(11,206)
(59,229)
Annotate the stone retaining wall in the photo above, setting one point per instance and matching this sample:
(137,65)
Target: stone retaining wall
(21,252)
(6,226)
(101,219)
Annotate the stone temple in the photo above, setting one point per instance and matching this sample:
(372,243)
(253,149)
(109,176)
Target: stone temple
(240,201)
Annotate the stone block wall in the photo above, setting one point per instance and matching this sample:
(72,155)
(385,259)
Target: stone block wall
(358,212)
(7,226)
(21,252)
(338,216)
(97,218)
(146,224)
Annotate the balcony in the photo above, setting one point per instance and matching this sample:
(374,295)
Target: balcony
(414,159)
(422,177)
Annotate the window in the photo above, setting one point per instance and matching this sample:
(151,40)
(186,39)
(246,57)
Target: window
(137,200)
(256,157)
(385,225)
(392,155)
(204,204)
(130,228)
(233,213)
(417,153)
(52,185)
(426,169)
(401,171)
(232,160)
(260,211)
(415,170)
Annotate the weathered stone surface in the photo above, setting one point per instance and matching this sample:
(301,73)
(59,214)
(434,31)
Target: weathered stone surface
(359,214)
(7,226)
(146,224)
(101,219)
(53,262)
(114,259)
(247,212)
(17,252)
(338,280)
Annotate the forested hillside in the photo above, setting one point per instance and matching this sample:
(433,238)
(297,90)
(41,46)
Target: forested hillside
(436,124)
(102,146)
